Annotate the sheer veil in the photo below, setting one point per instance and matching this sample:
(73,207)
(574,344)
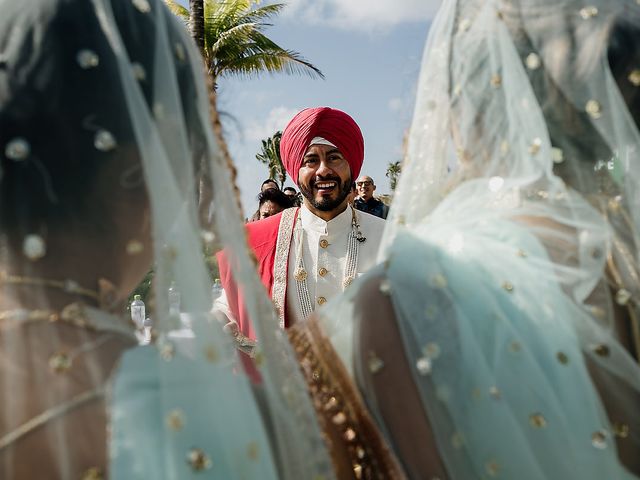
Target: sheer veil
(512,244)
(104,123)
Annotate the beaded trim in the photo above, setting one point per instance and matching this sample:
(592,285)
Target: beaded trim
(279,289)
(341,412)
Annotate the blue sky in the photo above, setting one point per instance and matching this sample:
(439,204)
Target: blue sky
(369,52)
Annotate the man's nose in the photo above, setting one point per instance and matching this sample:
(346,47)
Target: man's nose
(324,169)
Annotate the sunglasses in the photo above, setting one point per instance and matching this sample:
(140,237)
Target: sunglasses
(364,184)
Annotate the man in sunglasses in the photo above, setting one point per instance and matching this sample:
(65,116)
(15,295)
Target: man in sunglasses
(365,201)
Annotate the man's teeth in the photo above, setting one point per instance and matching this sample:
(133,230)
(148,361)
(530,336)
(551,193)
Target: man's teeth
(326,185)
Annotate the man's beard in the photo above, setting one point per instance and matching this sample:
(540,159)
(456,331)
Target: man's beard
(327,204)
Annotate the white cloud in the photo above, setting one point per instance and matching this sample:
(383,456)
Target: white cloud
(361,14)
(276,120)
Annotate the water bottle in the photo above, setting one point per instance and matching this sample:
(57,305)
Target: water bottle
(216,290)
(174,301)
(138,311)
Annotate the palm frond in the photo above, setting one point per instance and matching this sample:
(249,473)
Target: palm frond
(285,61)
(235,36)
(177,9)
(262,13)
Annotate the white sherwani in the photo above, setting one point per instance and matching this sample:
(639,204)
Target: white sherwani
(324,252)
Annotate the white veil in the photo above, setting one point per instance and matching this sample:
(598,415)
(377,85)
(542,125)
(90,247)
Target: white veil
(512,244)
(121,82)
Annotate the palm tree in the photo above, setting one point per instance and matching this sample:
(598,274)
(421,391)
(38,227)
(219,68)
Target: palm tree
(394,169)
(196,22)
(270,156)
(234,45)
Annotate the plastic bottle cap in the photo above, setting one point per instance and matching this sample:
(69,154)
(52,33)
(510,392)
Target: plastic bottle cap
(137,297)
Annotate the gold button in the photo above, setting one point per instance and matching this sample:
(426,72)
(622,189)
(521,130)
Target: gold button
(322,272)
(322,300)
(324,243)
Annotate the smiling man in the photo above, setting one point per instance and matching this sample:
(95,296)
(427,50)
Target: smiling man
(308,255)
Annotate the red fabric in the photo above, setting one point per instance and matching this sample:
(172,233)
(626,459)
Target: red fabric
(262,237)
(328,123)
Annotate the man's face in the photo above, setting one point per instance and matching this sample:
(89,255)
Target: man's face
(365,187)
(269,208)
(324,178)
(289,192)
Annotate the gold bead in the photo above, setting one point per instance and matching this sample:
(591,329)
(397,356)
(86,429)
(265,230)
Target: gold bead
(534,148)
(533,61)
(496,80)
(634,77)
(385,287)
(599,439)
(601,350)
(537,420)
(134,247)
(623,296)
(331,404)
(508,286)
(175,420)
(211,354)
(324,243)
(339,418)
(60,362)
(93,473)
(349,435)
(588,12)
(322,300)
(594,109)
(495,392)
(562,358)
(322,272)
(620,430)
(198,460)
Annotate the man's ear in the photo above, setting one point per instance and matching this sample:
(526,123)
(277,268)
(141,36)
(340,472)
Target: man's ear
(374,187)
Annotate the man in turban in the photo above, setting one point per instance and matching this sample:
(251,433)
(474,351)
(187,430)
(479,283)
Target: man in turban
(308,255)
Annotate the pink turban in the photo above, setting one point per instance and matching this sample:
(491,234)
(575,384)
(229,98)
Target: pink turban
(328,123)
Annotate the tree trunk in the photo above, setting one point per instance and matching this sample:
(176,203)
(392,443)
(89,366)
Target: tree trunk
(196,22)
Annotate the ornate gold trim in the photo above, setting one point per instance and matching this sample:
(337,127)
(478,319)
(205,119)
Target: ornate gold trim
(285,234)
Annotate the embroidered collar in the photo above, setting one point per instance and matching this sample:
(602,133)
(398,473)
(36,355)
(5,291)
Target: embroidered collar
(339,224)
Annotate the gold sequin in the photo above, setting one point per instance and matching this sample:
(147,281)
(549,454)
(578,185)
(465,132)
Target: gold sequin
(599,439)
(142,5)
(620,430)
(634,77)
(537,420)
(198,460)
(562,358)
(34,247)
(357,471)
(623,296)
(331,404)
(439,281)
(588,12)
(253,451)
(324,243)
(464,25)
(496,80)
(507,286)
(87,59)
(17,149)
(175,420)
(495,393)
(93,473)
(385,287)
(557,155)
(322,272)
(322,300)
(60,362)
(515,347)
(180,52)
(533,61)
(521,253)
(134,247)
(594,109)
(423,365)
(492,468)
(375,363)
(104,141)
(601,350)
(211,354)
(534,148)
